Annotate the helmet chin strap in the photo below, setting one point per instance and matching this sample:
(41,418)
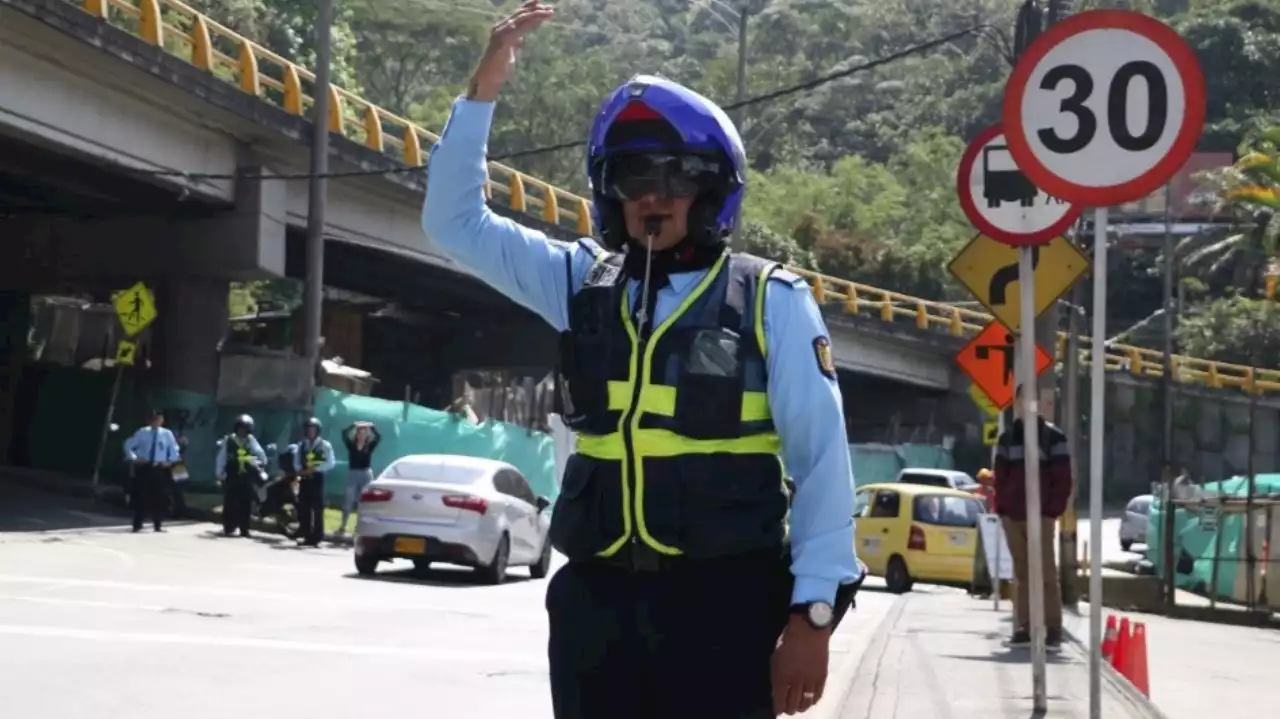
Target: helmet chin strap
(652,227)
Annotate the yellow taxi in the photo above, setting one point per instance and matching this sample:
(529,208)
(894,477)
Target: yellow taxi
(910,532)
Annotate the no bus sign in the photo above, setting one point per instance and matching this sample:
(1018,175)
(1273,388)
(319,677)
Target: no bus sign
(1104,107)
(1001,201)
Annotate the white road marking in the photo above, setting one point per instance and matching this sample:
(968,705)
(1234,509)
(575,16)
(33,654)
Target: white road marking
(122,556)
(489,660)
(270,596)
(81,603)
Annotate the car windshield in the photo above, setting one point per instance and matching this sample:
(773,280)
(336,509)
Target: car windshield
(428,471)
(946,511)
(928,480)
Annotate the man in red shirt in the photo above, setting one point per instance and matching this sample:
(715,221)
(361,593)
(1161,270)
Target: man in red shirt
(1011,505)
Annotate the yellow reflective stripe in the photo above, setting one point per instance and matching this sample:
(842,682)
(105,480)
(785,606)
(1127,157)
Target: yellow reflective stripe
(761,284)
(619,395)
(620,392)
(665,444)
(643,377)
(660,399)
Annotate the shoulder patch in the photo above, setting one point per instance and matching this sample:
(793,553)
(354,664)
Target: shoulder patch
(822,353)
(602,274)
(787,276)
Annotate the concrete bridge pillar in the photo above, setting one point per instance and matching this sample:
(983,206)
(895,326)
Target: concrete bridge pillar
(192,321)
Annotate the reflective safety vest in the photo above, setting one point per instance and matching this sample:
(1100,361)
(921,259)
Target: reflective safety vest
(313,458)
(240,461)
(676,451)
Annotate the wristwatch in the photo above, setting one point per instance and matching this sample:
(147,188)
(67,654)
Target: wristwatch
(818,614)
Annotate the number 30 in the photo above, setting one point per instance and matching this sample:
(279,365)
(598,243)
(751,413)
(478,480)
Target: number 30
(1117,108)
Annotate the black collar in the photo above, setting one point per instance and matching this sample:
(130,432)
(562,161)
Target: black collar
(684,257)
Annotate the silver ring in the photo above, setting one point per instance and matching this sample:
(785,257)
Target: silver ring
(808,695)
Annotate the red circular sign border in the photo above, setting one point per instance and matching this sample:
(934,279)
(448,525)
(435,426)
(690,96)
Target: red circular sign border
(1183,58)
(985,226)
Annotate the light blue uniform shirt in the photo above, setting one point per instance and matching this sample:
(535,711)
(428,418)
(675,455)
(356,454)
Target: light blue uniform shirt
(152,444)
(221,460)
(806,406)
(327,461)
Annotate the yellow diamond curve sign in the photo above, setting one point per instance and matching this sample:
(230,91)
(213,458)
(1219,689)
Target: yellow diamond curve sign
(989,269)
(126,353)
(136,308)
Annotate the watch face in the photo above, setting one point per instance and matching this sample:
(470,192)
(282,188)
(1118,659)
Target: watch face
(820,614)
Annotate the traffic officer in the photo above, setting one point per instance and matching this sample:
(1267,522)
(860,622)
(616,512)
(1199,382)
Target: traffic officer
(239,463)
(152,450)
(686,370)
(312,459)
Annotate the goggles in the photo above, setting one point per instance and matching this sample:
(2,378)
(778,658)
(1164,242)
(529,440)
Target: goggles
(632,176)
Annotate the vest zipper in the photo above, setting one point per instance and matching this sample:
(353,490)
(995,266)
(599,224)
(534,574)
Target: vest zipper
(628,442)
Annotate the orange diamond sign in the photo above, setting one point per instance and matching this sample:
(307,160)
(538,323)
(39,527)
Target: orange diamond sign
(990,358)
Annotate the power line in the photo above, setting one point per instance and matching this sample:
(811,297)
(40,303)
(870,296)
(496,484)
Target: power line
(758,99)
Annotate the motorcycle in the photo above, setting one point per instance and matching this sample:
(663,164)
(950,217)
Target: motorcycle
(275,496)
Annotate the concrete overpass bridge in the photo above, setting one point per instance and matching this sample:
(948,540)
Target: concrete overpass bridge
(142,139)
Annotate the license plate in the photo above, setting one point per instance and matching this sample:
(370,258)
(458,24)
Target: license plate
(958,539)
(410,545)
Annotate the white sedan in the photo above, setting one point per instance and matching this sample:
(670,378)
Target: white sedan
(475,512)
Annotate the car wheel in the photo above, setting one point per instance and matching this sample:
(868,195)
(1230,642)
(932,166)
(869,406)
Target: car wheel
(1125,544)
(543,567)
(366,564)
(496,571)
(896,577)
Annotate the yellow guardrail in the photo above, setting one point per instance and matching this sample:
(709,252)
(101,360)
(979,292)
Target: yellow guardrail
(210,46)
(890,306)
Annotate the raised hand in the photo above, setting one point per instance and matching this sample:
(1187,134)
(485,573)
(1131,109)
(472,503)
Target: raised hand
(505,40)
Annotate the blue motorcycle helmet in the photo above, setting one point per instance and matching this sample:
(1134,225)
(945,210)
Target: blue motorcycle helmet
(656,136)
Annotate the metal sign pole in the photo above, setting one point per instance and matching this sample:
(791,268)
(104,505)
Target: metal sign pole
(1031,464)
(1097,431)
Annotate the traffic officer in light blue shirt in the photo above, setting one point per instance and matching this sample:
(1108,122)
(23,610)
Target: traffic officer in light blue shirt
(697,584)
(153,450)
(313,458)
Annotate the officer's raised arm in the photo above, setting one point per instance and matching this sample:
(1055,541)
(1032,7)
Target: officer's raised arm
(517,261)
(809,416)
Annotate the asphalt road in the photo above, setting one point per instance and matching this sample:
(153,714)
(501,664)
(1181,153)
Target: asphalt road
(97,621)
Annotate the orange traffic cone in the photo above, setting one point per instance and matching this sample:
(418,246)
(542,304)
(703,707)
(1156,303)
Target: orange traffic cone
(1137,661)
(1120,652)
(1109,638)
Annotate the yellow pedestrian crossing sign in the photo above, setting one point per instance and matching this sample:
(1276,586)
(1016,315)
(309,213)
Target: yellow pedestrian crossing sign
(990,433)
(126,352)
(136,308)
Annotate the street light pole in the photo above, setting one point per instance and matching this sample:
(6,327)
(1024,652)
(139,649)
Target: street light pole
(1166,397)
(739,114)
(313,287)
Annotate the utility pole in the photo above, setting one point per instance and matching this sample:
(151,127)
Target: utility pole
(1169,472)
(313,287)
(740,114)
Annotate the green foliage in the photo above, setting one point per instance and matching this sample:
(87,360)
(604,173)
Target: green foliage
(854,178)
(1232,329)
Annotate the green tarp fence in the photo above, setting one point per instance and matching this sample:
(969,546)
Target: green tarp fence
(874,463)
(1196,534)
(418,431)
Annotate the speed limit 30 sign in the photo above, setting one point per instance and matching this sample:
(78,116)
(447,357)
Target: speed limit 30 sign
(1104,107)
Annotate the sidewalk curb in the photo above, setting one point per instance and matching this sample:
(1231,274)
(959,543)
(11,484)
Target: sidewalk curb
(860,684)
(1141,704)
(113,495)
